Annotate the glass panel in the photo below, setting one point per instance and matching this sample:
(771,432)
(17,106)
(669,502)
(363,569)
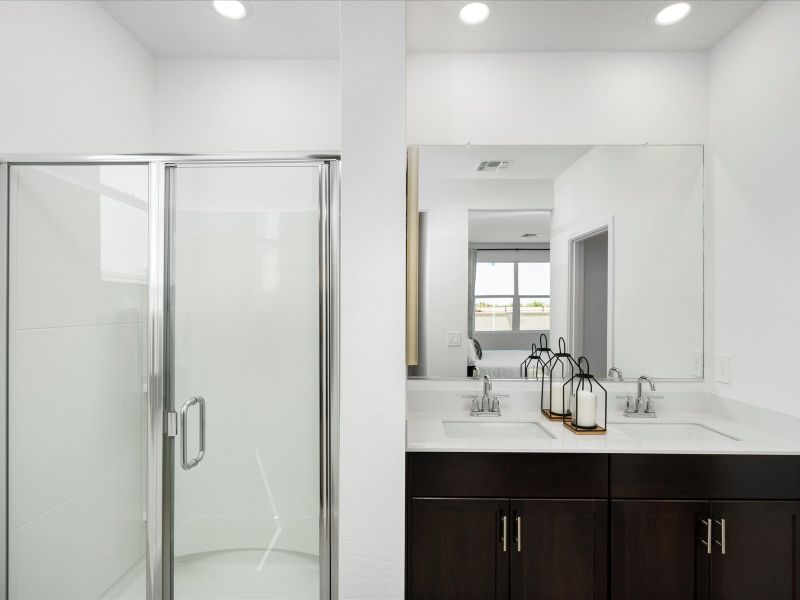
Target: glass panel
(246,337)
(78,267)
(494,279)
(534,279)
(534,314)
(493,314)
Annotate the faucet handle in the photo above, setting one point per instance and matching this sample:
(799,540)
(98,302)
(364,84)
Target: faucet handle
(494,403)
(629,402)
(476,407)
(649,407)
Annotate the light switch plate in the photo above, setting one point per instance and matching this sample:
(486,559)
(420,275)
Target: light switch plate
(453,338)
(724,368)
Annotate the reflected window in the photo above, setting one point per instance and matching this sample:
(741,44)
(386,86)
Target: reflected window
(512,296)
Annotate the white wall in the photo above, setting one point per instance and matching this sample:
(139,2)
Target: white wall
(754,209)
(207,105)
(557,98)
(74,81)
(372,449)
(654,196)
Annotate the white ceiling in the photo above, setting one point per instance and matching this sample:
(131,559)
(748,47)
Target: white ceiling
(192,29)
(528,162)
(507,227)
(310,28)
(570,25)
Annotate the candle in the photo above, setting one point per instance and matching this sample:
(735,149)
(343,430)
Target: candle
(557,398)
(586,409)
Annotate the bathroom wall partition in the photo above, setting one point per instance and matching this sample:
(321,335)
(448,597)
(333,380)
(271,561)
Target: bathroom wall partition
(170,372)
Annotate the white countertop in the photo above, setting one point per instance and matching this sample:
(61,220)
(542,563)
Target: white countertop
(425,432)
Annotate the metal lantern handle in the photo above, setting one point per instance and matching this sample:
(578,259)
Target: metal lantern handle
(586,361)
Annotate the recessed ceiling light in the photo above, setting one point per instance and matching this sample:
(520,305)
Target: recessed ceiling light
(232,9)
(669,15)
(474,13)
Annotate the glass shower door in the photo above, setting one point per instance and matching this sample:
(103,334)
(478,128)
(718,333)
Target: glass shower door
(245,369)
(76,345)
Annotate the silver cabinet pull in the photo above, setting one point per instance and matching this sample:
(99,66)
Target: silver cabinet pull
(721,541)
(505,532)
(707,542)
(187,464)
(519,534)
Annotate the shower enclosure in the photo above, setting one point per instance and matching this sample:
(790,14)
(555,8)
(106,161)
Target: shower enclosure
(171,377)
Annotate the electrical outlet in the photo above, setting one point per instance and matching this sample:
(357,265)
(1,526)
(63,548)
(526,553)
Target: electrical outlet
(697,363)
(453,338)
(724,368)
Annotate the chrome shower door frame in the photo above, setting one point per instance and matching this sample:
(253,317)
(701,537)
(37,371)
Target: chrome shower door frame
(160,445)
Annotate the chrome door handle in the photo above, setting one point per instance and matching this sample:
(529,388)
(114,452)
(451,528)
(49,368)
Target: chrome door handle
(519,534)
(505,533)
(721,541)
(187,464)
(707,542)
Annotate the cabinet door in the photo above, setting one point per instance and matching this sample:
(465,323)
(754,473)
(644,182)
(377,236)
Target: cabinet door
(457,550)
(658,550)
(761,558)
(558,549)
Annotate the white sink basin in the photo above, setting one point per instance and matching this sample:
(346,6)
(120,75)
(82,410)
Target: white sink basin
(666,432)
(495,430)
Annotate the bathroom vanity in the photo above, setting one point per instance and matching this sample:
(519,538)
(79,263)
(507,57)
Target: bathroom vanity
(687,505)
(503,525)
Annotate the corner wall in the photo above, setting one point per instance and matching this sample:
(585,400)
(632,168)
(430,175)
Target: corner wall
(247,105)
(74,81)
(753,207)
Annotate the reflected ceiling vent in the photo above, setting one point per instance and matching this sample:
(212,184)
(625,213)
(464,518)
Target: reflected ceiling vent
(492,166)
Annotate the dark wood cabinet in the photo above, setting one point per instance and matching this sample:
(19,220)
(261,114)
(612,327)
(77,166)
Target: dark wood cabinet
(485,548)
(657,549)
(660,549)
(558,549)
(456,549)
(760,558)
(602,526)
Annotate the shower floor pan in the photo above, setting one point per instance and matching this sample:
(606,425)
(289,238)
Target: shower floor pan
(233,574)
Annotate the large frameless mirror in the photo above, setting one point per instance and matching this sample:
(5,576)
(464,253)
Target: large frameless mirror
(600,245)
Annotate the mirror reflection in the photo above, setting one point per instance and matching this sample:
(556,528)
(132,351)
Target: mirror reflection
(521,245)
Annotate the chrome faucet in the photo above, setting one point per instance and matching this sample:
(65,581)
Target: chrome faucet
(641,407)
(489,403)
(614,374)
(486,399)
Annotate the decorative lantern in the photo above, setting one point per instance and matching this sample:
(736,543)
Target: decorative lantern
(536,360)
(559,370)
(590,408)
